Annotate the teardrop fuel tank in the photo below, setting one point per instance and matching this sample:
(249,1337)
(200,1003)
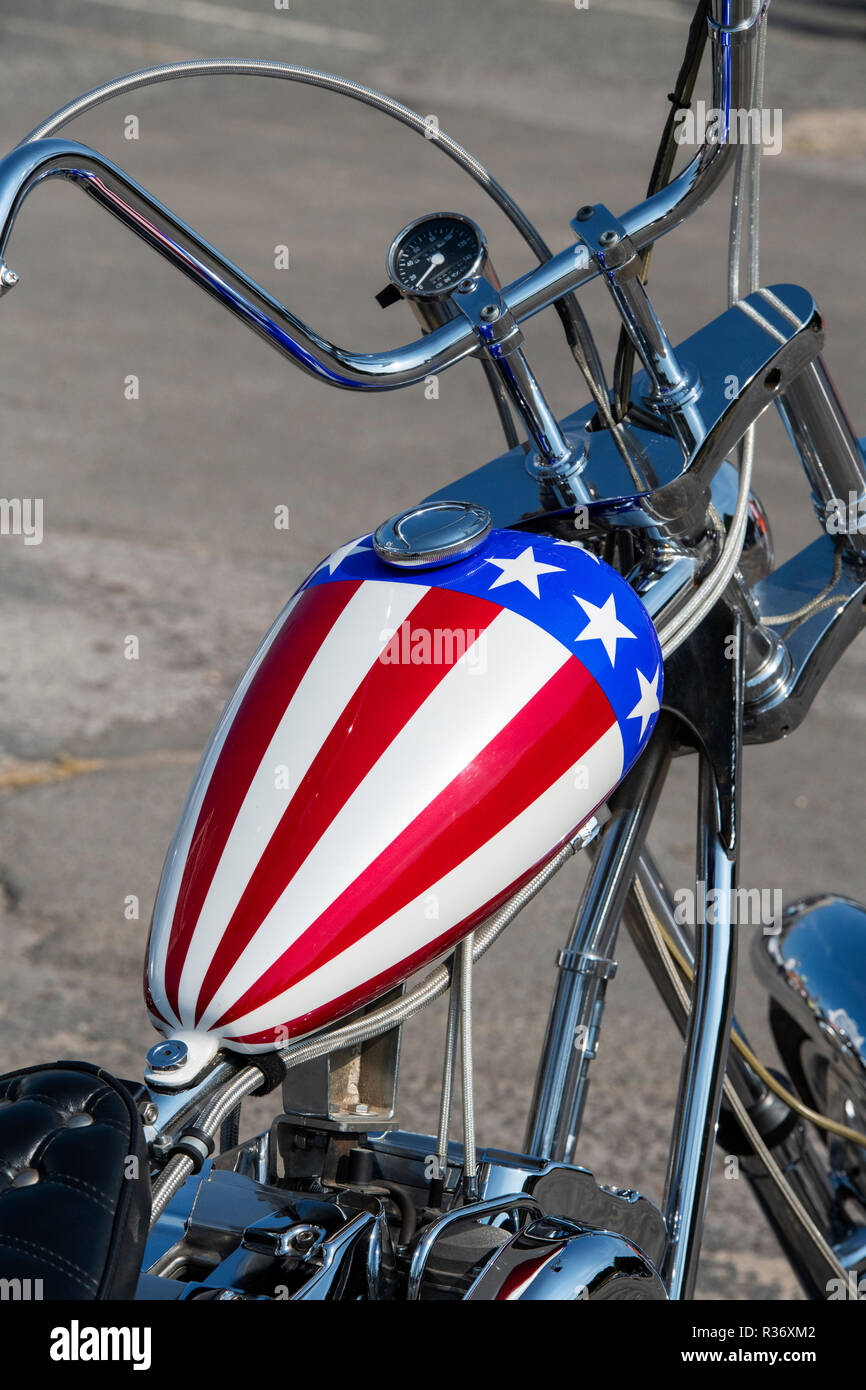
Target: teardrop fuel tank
(405,750)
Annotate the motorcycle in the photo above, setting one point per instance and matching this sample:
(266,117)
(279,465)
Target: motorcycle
(446,712)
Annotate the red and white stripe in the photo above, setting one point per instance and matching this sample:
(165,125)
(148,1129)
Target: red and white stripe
(412,802)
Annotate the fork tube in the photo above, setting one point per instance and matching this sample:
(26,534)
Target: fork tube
(648,875)
(786,1140)
(586,964)
(706,1049)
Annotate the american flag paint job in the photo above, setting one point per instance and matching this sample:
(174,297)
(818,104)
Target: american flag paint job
(405,750)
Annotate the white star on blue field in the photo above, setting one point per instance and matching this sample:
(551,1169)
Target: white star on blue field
(603,626)
(524,570)
(560,587)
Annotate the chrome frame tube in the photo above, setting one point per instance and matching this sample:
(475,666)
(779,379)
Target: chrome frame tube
(824,439)
(31,164)
(585,965)
(706,1050)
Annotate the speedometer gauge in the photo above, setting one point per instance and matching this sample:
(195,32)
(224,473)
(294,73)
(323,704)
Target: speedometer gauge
(434,254)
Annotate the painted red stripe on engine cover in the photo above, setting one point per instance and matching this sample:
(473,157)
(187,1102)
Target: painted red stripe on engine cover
(361,734)
(271,689)
(511,772)
(522,1275)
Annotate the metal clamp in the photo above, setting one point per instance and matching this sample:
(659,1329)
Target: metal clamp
(741,30)
(492,321)
(585,963)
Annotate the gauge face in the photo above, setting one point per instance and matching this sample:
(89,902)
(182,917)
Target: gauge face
(431,256)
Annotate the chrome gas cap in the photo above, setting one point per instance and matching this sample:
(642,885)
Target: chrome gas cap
(434,533)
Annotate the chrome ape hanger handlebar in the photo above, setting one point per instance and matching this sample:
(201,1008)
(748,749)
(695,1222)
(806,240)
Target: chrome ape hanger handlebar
(733,30)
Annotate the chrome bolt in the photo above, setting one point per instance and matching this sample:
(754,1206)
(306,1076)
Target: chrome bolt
(490,313)
(609,238)
(587,833)
(168,1055)
(303,1238)
(149,1113)
(8,278)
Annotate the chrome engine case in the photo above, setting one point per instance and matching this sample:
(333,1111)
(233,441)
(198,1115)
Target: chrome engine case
(559,1261)
(258,1222)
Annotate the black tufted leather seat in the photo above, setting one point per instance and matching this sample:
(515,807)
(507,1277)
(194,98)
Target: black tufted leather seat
(74,1208)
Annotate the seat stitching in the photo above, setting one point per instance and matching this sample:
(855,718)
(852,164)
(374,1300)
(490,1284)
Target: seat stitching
(38,1095)
(87,1189)
(49,1257)
(57,1104)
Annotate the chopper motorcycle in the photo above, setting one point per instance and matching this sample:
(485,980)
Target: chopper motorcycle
(444,713)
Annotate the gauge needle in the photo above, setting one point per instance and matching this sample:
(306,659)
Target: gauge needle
(436,259)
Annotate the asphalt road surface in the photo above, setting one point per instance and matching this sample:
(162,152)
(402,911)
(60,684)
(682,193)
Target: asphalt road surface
(159,510)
